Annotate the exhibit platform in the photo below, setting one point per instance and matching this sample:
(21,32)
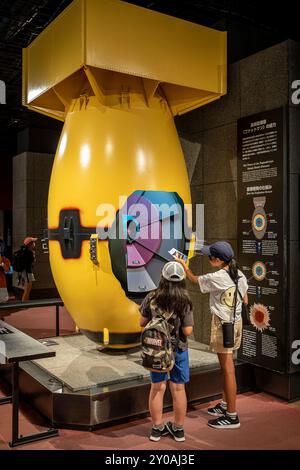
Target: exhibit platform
(85,387)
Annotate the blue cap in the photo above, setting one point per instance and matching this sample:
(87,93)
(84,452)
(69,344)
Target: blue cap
(221,250)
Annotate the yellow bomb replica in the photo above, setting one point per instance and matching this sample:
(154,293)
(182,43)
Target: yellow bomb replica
(117,74)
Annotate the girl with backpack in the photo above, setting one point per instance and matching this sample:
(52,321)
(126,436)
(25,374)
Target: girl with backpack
(170,299)
(227,288)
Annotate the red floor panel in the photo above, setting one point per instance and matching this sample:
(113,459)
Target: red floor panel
(267,423)
(40,322)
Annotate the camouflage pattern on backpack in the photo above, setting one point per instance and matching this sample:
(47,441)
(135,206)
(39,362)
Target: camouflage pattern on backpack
(157,351)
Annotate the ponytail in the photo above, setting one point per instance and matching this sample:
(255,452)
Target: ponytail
(233,270)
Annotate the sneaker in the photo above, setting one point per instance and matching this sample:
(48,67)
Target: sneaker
(156,433)
(178,434)
(218,410)
(225,422)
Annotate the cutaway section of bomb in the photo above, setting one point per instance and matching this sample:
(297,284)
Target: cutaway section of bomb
(146,229)
(119,76)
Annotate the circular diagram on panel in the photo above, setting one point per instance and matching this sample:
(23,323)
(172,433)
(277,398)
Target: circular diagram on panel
(259,222)
(148,226)
(259,217)
(259,271)
(259,316)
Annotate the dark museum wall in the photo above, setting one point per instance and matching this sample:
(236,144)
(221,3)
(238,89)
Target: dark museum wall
(294,199)
(31,177)
(6,150)
(257,83)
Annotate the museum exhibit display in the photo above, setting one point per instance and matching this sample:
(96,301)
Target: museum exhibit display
(119,194)
(120,76)
(133,132)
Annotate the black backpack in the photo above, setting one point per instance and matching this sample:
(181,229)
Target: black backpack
(19,260)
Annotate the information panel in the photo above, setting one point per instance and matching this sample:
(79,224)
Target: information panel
(261,226)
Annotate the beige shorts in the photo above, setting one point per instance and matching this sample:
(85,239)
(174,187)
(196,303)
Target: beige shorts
(216,337)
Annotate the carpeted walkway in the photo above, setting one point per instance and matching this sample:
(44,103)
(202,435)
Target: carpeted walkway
(267,423)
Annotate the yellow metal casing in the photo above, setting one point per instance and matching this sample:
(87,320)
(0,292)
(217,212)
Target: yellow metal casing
(116,74)
(187,61)
(102,155)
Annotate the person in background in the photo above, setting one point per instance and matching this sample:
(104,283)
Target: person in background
(4,268)
(221,286)
(170,296)
(24,260)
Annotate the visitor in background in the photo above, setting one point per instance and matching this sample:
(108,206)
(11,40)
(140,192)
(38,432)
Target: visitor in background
(23,262)
(4,268)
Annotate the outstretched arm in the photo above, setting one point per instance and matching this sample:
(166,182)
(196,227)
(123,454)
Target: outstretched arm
(189,274)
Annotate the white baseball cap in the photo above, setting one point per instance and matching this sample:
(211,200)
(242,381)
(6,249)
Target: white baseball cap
(173,271)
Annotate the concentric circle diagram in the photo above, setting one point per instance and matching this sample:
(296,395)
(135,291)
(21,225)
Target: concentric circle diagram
(259,271)
(148,226)
(259,217)
(259,223)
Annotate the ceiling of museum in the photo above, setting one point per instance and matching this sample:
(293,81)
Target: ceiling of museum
(22,20)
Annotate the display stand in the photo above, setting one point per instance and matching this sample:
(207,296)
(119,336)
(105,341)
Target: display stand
(16,347)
